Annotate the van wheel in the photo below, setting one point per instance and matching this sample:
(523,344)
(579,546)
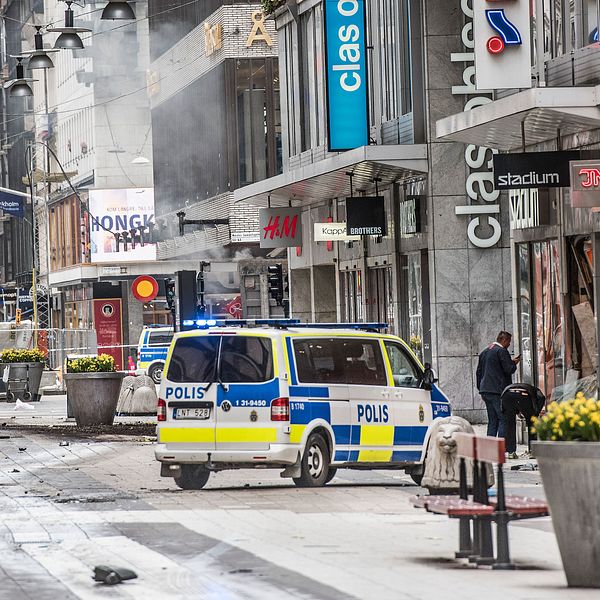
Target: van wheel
(155,373)
(193,477)
(315,463)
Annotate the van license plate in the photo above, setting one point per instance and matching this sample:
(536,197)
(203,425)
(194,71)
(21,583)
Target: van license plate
(192,413)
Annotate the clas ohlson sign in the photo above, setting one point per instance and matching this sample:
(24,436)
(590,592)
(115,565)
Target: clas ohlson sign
(346,74)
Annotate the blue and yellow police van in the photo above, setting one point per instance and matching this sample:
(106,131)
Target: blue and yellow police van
(306,399)
(153,347)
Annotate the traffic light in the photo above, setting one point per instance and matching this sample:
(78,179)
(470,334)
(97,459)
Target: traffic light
(275,279)
(18,317)
(170,294)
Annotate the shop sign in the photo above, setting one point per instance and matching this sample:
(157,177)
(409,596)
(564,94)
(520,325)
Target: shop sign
(259,30)
(347,102)
(365,215)
(502,44)
(524,208)
(213,38)
(117,211)
(410,215)
(483,206)
(109,328)
(12,204)
(520,170)
(280,227)
(333,232)
(585,183)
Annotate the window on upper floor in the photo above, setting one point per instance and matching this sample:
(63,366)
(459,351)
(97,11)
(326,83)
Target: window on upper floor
(258,118)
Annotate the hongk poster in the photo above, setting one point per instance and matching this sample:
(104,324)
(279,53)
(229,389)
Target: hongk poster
(116,211)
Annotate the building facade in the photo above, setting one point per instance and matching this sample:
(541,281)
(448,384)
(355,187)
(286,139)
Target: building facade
(216,123)
(441,275)
(554,236)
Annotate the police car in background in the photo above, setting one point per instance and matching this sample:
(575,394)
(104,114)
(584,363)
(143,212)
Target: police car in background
(153,347)
(306,399)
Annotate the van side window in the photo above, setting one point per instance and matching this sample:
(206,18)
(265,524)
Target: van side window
(160,338)
(339,360)
(403,368)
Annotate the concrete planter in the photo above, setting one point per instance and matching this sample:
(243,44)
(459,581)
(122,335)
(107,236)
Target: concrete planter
(32,372)
(93,396)
(571,476)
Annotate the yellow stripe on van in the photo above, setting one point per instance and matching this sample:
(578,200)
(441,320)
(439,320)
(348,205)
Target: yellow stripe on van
(249,434)
(186,435)
(296,433)
(378,436)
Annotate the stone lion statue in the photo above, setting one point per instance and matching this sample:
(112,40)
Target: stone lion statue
(442,465)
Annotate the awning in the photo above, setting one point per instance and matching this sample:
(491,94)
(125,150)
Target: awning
(328,178)
(542,111)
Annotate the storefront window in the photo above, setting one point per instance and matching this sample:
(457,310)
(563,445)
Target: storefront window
(415,303)
(380,300)
(351,284)
(525,314)
(548,324)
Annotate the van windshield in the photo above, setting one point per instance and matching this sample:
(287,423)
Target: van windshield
(243,359)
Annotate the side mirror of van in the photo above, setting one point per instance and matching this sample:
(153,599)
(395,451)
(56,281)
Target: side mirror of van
(429,377)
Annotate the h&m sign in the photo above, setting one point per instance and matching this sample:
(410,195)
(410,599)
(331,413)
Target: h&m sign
(280,227)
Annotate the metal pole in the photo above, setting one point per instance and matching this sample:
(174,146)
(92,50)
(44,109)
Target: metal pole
(33,274)
(596,256)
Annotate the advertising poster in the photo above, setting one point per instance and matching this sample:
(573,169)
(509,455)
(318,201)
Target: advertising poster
(118,211)
(109,328)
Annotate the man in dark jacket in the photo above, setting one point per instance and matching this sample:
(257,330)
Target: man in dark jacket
(494,373)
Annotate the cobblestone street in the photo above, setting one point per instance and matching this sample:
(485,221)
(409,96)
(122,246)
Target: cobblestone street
(249,534)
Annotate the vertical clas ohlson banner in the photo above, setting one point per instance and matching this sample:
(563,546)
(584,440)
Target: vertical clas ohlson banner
(347,107)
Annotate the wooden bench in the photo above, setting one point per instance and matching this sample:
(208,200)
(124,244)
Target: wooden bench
(479,509)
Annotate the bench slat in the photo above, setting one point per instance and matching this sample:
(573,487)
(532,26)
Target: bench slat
(461,508)
(490,449)
(465,445)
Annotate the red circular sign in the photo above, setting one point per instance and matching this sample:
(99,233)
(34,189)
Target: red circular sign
(495,45)
(145,288)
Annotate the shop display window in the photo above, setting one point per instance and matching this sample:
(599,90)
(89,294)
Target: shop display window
(541,315)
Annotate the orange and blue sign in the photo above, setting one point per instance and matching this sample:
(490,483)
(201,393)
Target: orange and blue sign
(145,288)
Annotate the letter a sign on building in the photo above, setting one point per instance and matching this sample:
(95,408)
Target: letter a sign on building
(347,107)
(501,31)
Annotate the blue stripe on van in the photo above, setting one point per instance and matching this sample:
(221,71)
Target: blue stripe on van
(242,391)
(353,457)
(355,435)
(306,391)
(341,455)
(303,413)
(290,352)
(409,435)
(342,434)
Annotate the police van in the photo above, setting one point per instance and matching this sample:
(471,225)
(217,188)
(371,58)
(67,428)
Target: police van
(153,347)
(305,399)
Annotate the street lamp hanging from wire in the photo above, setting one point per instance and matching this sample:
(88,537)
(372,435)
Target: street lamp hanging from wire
(69,34)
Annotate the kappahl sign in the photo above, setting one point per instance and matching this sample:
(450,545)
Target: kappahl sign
(346,74)
(333,232)
(280,227)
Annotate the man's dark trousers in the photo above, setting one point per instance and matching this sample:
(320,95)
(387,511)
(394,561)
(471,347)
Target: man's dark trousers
(510,408)
(496,422)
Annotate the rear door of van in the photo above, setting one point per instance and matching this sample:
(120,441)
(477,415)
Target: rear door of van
(250,413)
(189,390)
